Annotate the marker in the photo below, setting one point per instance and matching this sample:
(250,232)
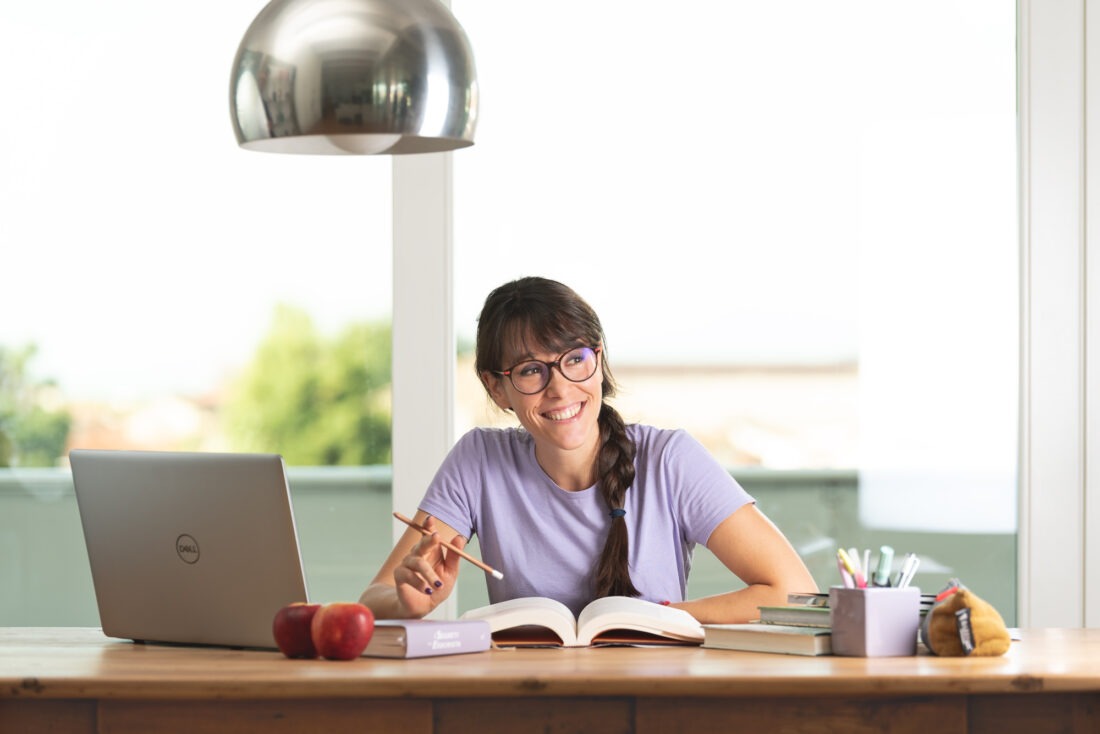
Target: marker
(853,558)
(861,583)
(845,577)
(882,570)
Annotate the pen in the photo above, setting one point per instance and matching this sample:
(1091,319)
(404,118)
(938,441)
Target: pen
(847,561)
(424,531)
(907,571)
(901,571)
(885,561)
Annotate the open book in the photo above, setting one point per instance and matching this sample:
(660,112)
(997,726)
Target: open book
(612,620)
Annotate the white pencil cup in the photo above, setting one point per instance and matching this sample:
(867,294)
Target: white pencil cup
(874,622)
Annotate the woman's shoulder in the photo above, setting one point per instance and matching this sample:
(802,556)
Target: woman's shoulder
(648,438)
(487,449)
(493,439)
(666,445)
(485,433)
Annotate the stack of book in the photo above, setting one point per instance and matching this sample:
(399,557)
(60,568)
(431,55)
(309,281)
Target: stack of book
(801,610)
(800,627)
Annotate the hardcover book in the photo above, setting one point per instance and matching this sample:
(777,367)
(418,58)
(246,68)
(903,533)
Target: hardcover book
(808,599)
(804,616)
(777,638)
(419,638)
(612,620)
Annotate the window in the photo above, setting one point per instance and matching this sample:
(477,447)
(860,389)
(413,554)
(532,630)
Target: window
(750,153)
(799,227)
(149,263)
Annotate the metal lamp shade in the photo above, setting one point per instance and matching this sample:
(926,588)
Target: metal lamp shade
(354,77)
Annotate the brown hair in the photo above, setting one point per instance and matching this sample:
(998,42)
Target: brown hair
(556,318)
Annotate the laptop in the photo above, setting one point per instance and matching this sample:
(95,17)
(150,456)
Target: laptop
(191,548)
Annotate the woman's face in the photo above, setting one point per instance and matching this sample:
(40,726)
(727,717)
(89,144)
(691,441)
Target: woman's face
(563,415)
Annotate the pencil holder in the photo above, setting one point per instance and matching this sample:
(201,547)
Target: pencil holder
(875,622)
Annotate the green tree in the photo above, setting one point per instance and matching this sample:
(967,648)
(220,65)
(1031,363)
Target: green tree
(318,401)
(31,434)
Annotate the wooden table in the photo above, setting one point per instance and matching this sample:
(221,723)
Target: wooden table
(77,680)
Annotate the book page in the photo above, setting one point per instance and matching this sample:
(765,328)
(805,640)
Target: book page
(528,612)
(624,613)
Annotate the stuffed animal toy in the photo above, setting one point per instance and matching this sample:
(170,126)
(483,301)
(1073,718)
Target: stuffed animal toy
(960,623)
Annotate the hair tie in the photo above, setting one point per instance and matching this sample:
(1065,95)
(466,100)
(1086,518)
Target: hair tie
(617,513)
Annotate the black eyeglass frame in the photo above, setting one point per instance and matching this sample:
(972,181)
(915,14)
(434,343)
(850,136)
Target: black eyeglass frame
(550,366)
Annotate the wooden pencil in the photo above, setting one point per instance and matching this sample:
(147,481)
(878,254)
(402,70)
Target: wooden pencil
(424,531)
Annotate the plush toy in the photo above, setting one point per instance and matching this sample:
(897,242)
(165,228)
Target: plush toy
(960,623)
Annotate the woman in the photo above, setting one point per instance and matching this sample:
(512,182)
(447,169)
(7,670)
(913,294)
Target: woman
(576,505)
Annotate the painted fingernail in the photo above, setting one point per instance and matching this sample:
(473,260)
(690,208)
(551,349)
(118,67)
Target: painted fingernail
(428,590)
(665,603)
(438,584)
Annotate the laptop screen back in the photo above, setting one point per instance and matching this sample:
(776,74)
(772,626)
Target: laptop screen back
(197,548)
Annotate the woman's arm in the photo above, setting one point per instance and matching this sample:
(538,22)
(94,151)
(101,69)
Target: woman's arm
(754,549)
(418,575)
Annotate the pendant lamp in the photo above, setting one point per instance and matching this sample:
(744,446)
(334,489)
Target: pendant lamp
(354,77)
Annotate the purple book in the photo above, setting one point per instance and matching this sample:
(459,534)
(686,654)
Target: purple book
(419,638)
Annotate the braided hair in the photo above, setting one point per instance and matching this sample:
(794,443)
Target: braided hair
(554,316)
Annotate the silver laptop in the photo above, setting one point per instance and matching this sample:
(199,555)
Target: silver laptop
(195,548)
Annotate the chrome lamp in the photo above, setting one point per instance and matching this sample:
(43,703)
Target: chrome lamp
(354,77)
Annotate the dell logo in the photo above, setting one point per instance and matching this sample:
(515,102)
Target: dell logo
(187,548)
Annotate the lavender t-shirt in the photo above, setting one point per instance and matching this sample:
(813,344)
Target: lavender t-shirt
(546,540)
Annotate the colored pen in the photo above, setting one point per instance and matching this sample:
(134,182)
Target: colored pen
(845,577)
(850,567)
(424,531)
(882,570)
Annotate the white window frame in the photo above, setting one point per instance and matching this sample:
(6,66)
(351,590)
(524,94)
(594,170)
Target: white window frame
(1058,568)
(1090,500)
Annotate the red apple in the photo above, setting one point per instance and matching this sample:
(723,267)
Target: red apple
(291,629)
(341,630)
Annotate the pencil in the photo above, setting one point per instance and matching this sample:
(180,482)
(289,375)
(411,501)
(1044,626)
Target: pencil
(424,531)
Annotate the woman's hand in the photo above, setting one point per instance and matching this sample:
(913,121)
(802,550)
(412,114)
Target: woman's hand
(426,575)
(419,574)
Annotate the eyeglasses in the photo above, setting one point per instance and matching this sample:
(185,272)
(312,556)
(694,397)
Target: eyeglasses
(533,375)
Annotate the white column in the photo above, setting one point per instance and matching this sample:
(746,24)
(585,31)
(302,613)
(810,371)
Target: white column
(423,328)
(1053,390)
(1091,510)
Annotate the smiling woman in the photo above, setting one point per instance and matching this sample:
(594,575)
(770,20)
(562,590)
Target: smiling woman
(575,504)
